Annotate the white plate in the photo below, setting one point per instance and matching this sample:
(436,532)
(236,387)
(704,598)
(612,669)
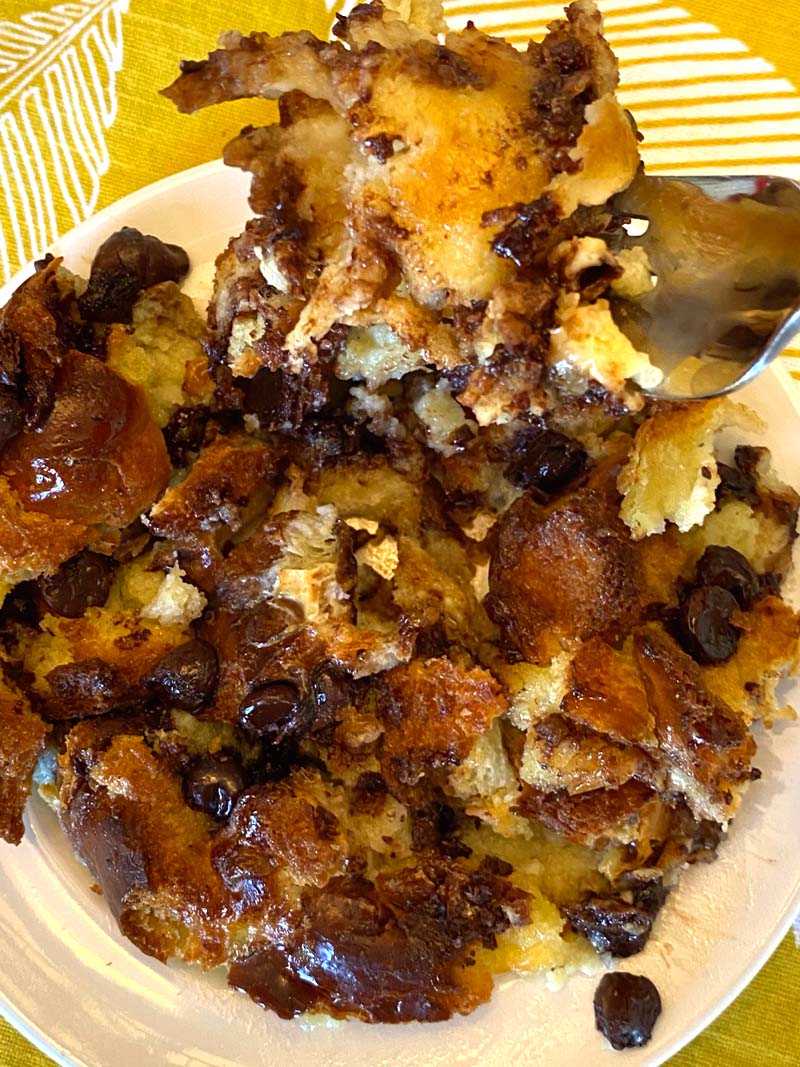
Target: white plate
(87,997)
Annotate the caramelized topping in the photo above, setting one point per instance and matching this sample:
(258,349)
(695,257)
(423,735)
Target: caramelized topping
(99,457)
(393,951)
(565,573)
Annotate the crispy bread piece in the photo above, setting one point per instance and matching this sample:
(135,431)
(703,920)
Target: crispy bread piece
(433,712)
(409,180)
(96,663)
(607,695)
(623,815)
(123,810)
(22,738)
(561,755)
(769,651)
(565,572)
(706,745)
(671,475)
(213,496)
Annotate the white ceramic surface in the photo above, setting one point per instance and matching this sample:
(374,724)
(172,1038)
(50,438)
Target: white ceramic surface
(84,995)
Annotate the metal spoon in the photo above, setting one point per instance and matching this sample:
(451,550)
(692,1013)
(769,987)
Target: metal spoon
(716,336)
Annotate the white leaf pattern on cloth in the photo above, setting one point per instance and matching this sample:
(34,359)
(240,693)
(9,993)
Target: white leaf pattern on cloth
(57,98)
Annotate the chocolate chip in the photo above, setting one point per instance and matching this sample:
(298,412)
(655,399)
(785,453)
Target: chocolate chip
(748,457)
(729,569)
(83,688)
(330,690)
(21,606)
(184,433)
(125,264)
(704,627)
(544,460)
(212,784)
(380,146)
(81,582)
(612,925)
(12,417)
(186,676)
(735,484)
(626,1007)
(273,710)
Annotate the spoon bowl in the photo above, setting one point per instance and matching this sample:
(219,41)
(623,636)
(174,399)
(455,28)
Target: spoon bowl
(725,255)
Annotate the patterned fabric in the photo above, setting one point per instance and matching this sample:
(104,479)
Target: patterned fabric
(713,84)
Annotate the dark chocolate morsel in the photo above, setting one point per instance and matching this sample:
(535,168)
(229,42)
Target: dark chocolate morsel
(729,569)
(612,925)
(126,263)
(212,784)
(184,433)
(626,1007)
(186,676)
(735,484)
(79,583)
(545,460)
(273,710)
(705,629)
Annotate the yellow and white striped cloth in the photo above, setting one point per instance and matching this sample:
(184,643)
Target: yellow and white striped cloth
(713,85)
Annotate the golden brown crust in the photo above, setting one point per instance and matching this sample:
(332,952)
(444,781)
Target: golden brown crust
(590,818)
(706,747)
(281,830)
(560,755)
(33,543)
(119,811)
(228,473)
(433,713)
(22,738)
(565,573)
(608,696)
(99,458)
(96,663)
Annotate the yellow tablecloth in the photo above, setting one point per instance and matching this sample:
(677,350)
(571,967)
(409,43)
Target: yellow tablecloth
(713,84)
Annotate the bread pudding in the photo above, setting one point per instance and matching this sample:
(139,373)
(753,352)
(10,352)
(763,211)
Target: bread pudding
(387,634)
